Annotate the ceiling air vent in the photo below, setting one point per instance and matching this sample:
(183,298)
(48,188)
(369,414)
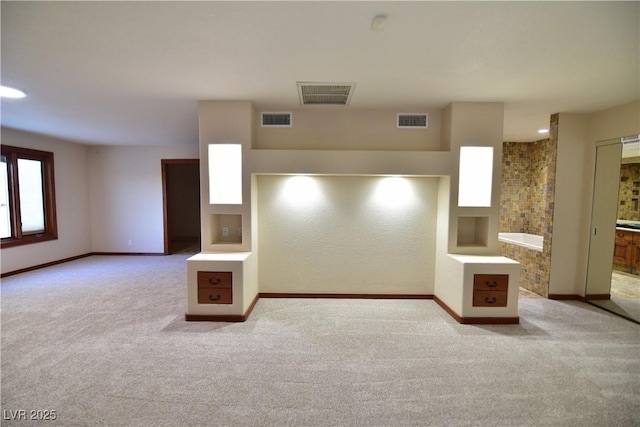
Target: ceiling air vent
(276,120)
(413,120)
(325,93)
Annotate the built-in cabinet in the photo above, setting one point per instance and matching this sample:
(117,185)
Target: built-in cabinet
(490,290)
(472,283)
(215,287)
(221,286)
(626,253)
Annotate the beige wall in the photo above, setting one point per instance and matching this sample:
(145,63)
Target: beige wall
(578,135)
(623,120)
(349,129)
(105,196)
(569,222)
(126,196)
(347,234)
(72,203)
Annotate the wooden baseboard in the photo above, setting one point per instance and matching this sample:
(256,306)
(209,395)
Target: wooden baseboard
(566,297)
(129,253)
(222,317)
(476,320)
(46,264)
(596,297)
(346,296)
(73,258)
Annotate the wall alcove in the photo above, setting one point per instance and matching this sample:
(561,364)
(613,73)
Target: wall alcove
(347,234)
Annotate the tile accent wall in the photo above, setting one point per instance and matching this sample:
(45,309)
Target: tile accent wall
(628,207)
(515,191)
(526,204)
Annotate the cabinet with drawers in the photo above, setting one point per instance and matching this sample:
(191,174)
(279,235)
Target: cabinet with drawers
(490,290)
(215,287)
(477,288)
(626,253)
(221,286)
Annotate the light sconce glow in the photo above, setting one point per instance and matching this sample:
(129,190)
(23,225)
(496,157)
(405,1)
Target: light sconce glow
(393,192)
(543,130)
(9,92)
(225,174)
(475,176)
(301,191)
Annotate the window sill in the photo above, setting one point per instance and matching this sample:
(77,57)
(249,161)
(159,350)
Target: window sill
(12,242)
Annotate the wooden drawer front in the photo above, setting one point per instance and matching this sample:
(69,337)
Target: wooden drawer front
(214,280)
(490,282)
(489,299)
(626,235)
(215,296)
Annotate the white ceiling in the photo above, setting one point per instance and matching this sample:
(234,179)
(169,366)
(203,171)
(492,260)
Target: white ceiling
(133,72)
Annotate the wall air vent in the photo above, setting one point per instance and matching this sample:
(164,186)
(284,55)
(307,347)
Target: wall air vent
(413,120)
(278,119)
(630,139)
(325,93)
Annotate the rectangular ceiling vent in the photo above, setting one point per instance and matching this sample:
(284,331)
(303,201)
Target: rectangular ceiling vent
(413,120)
(278,119)
(325,93)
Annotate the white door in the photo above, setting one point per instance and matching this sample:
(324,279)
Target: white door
(603,217)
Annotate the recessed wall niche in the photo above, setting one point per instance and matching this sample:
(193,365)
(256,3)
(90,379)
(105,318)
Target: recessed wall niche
(226,228)
(473,231)
(347,236)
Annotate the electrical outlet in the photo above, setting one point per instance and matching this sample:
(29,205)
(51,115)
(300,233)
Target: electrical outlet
(129,242)
(225,231)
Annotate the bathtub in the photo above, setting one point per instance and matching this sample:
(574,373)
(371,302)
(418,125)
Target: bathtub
(530,241)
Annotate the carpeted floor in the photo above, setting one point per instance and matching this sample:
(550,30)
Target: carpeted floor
(625,296)
(103,342)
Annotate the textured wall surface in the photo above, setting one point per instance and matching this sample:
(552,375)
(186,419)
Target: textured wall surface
(347,234)
(526,204)
(629,192)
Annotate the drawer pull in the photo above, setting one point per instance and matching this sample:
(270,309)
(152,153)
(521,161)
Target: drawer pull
(212,282)
(211,298)
(491,284)
(491,300)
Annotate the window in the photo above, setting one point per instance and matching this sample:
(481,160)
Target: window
(27,199)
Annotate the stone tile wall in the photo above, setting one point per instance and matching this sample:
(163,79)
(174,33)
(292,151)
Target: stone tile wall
(628,207)
(533,274)
(515,191)
(526,204)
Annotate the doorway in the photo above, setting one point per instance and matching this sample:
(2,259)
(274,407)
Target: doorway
(613,276)
(181,199)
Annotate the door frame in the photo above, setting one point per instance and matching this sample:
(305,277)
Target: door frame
(164,164)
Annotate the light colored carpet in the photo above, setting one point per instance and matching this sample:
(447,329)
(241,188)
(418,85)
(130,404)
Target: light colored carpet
(625,296)
(103,342)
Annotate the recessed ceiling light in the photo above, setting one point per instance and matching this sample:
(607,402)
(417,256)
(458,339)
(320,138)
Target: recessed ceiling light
(543,130)
(9,92)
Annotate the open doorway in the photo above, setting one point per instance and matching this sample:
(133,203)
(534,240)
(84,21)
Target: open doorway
(613,277)
(181,199)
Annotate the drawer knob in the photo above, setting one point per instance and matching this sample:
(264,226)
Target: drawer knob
(491,284)
(490,300)
(212,298)
(214,282)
